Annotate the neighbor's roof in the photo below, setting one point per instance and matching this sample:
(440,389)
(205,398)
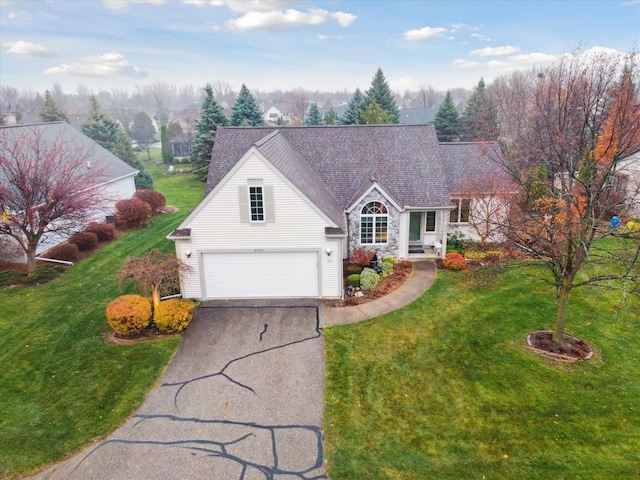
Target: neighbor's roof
(403,159)
(113,167)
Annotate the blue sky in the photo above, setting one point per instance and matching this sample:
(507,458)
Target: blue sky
(316,45)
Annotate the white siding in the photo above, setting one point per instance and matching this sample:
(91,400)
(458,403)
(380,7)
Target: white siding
(297,226)
(403,236)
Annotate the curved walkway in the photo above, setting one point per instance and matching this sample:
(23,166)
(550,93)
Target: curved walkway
(422,276)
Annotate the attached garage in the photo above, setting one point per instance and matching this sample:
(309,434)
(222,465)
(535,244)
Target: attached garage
(260,274)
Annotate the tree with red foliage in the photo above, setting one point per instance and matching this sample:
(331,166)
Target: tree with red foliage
(563,130)
(47,187)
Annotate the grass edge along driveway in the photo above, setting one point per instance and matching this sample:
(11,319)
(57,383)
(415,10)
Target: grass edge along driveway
(61,385)
(445,388)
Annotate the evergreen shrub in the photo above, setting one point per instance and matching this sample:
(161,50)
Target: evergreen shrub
(132,212)
(84,241)
(155,199)
(390,260)
(454,261)
(65,251)
(10,277)
(173,315)
(44,274)
(368,279)
(354,280)
(129,315)
(351,269)
(387,267)
(104,231)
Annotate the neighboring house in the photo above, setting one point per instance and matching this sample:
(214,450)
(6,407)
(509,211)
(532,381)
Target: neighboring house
(284,206)
(417,116)
(628,182)
(272,112)
(181,145)
(118,184)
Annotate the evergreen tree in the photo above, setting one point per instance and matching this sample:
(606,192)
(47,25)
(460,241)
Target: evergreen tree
(479,120)
(383,96)
(331,117)
(211,117)
(167,151)
(100,127)
(49,111)
(245,111)
(314,117)
(375,115)
(351,115)
(143,131)
(447,120)
(124,151)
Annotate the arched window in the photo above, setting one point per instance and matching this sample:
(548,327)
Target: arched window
(373,223)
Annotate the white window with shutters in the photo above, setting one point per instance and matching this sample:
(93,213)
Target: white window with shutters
(256,203)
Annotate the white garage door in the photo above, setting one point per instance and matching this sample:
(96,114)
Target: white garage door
(260,274)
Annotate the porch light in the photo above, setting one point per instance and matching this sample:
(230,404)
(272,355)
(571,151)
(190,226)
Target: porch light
(188,253)
(328,250)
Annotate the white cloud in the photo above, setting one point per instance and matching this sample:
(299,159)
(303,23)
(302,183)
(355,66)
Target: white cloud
(264,6)
(121,5)
(106,65)
(531,58)
(282,20)
(403,84)
(461,63)
(496,51)
(479,36)
(29,49)
(329,37)
(344,19)
(424,33)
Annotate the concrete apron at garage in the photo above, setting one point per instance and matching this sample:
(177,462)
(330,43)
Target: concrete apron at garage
(241,399)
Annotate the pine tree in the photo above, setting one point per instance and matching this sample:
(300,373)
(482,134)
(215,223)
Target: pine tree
(211,117)
(245,111)
(479,120)
(375,115)
(167,151)
(351,115)
(314,117)
(447,120)
(383,96)
(100,127)
(125,152)
(330,118)
(143,132)
(49,111)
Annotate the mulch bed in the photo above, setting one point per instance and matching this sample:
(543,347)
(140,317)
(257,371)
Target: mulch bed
(401,272)
(572,350)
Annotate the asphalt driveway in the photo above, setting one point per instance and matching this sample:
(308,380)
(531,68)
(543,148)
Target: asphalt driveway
(241,399)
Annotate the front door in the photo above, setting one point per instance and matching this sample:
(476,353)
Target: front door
(415,226)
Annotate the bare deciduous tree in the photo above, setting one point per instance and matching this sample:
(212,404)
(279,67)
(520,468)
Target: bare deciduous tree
(428,96)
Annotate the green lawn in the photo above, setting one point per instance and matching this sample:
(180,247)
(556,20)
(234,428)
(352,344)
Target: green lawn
(445,388)
(61,384)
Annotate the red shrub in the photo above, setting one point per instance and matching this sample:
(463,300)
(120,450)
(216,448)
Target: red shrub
(454,261)
(65,251)
(132,212)
(155,199)
(361,257)
(84,241)
(104,231)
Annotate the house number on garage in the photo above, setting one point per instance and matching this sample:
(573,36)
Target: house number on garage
(258,250)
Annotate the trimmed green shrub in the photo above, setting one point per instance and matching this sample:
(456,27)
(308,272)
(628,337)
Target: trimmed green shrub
(368,279)
(132,212)
(129,314)
(173,315)
(354,280)
(390,260)
(44,274)
(65,251)
(10,277)
(387,267)
(454,261)
(104,231)
(155,199)
(351,269)
(84,241)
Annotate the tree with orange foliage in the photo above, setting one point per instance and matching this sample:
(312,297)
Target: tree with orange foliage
(563,130)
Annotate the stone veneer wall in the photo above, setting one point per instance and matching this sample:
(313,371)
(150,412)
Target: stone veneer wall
(390,249)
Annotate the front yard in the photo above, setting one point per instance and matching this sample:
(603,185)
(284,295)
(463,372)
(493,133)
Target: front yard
(446,388)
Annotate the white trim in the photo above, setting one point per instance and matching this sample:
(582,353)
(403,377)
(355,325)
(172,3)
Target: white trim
(383,192)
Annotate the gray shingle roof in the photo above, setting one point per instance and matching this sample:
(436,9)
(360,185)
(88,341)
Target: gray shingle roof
(113,167)
(334,165)
(468,160)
